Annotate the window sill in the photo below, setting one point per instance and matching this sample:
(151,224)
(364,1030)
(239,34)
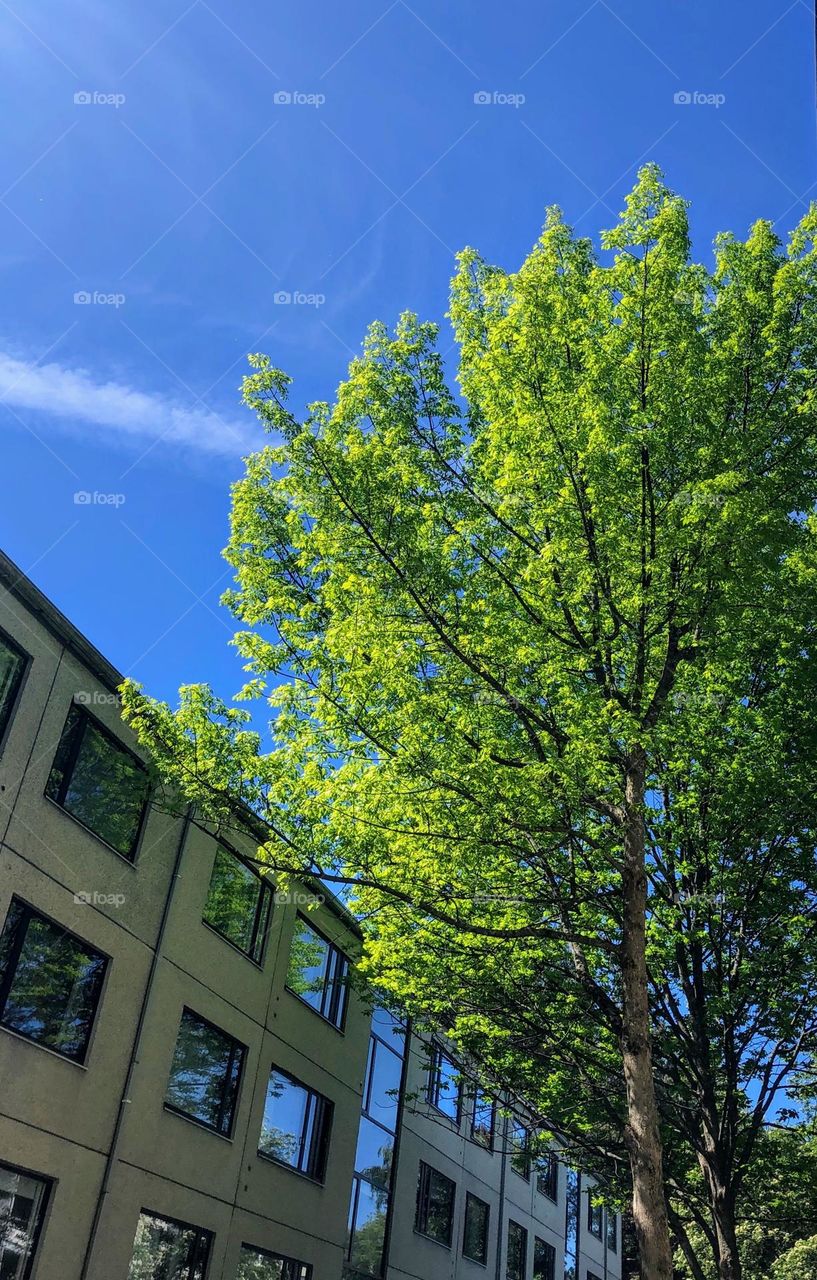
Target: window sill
(328,1021)
(129,862)
(257,964)
(55,1053)
(299,1173)
(440,1243)
(198,1124)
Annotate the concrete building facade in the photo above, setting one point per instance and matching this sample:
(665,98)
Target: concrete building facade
(189,1087)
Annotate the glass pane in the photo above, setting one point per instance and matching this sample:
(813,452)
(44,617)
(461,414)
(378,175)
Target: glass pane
(375,1148)
(232,902)
(520,1158)
(56,983)
(517,1249)
(285,1120)
(106,789)
(255,1264)
(11,670)
(205,1073)
(475,1240)
(22,1199)
(166,1250)
(612,1231)
(572,1226)
(385,1071)
(482,1124)
(544,1260)
(369,1229)
(308,960)
(440,1206)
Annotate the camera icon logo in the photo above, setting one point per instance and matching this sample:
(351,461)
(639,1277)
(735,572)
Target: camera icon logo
(682,98)
(82,498)
(83,98)
(82,297)
(482,98)
(282,297)
(282,98)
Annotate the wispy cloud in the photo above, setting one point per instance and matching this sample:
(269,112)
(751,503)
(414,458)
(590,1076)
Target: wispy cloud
(79,402)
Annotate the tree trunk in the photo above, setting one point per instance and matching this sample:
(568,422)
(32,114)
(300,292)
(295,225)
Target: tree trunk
(642,1133)
(722,1203)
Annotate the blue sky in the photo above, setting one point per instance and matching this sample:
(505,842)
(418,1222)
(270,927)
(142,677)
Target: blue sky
(170,170)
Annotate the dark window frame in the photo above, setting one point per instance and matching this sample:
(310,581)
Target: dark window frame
(296,1266)
(595,1213)
(317,1157)
(17,688)
(263,910)
(7,979)
(489,1145)
(547,1180)
(425,1174)
(433,1089)
(550,1274)
(521,1152)
(59,799)
(39,1226)
(205,1235)
(524,1241)
(484,1204)
(611,1237)
(336,987)
(238,1049)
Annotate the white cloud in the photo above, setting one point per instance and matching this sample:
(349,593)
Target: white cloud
(77,399)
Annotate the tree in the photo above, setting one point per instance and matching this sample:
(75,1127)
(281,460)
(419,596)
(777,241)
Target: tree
(482,623)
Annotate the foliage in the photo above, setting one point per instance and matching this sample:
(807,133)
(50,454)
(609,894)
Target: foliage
(527,646)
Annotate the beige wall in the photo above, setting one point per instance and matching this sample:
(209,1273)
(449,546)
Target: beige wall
(58,1118)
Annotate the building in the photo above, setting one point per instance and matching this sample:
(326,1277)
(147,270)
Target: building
(189,1088)
(447,1186)
(170,1086)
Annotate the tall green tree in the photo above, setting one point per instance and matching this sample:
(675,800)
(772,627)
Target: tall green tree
(478,617)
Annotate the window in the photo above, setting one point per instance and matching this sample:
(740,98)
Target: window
(367,1228)
(318,973)
(238,903)
(516,1261)
(381,1091)
(205,1073)
(12,669)
(99,782)
(595,1216)
(519,1138)
(443,1083)
(612,1231)
(296,1125)
(22,1205)
(591,1275)
(257,1264)
(168,1250)
(50,982)
(483,1119)
(475,1234)
(547,1176)
(435,1205)
(544,1260)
